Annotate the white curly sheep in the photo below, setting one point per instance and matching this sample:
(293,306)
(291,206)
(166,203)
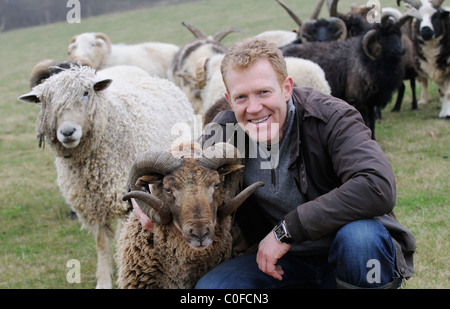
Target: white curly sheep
(95,127)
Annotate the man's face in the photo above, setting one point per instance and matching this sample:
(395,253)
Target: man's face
(258,100)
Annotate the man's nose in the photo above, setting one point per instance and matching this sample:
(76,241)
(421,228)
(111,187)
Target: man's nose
(254,105)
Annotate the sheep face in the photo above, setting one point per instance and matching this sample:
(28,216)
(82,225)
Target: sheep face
(194,198)
(92,46)
(67,105)
(193,193)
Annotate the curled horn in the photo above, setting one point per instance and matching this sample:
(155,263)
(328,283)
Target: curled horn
(105,38)
(332,7)
(366,41)
(224,32)
(195,31)
(317,9)
(151,162)
(414,3)
(294,16)
(436,3)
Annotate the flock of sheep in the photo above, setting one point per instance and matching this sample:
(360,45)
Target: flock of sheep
(114,110)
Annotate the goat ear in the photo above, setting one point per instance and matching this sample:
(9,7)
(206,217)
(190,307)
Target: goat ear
(102,85)
(227,169)
(30,97)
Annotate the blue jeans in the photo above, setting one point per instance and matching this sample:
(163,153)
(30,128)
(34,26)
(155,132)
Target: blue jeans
(361,255)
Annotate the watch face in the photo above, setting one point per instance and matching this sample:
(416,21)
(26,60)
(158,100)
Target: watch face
(279,232)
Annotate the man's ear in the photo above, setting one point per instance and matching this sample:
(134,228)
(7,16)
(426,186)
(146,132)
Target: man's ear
(228,98)
(288,87)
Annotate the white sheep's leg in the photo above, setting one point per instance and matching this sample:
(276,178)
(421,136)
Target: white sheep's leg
(104,262)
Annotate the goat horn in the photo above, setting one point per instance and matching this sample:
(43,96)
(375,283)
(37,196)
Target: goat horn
(436,3)
(332,7)
(317,9)
(224,32)
(403,20)
(218,155)
(414,3)
(150,162)
(341,25)
(365,43)
(104,37)
(195,31)
(294,16)
(234,203)
(161,214)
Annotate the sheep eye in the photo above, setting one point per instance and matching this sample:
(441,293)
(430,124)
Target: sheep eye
(85,94)
(217,186)
(168,191)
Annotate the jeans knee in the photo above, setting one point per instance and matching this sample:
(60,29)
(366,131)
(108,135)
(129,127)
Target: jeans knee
(362,249)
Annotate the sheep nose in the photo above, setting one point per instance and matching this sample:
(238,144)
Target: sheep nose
(67,132)
(199,234)
(427,33)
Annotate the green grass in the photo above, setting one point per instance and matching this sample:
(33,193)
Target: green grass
(36,236)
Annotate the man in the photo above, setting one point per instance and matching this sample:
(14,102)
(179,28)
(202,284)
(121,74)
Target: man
(322,218)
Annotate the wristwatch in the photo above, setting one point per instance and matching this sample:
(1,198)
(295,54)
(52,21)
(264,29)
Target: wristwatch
(282,234)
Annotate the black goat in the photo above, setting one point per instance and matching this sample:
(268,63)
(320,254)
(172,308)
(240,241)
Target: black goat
(364,71)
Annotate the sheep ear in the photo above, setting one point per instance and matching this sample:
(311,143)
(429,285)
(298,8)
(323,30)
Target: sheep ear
(102,85)
(30,97)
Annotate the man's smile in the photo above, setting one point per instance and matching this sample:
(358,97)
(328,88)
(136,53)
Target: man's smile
(259,120)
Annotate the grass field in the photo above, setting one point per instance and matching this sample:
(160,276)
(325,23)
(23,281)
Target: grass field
(36,237)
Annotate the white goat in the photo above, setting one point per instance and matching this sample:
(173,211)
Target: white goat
(95,130)
(153,57)
(185,61)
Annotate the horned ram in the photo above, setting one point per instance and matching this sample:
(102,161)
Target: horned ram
(189,194)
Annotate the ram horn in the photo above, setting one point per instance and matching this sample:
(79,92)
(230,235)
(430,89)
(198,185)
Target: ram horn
(195,31)
(161,214)
(332,7)
(234,203)
(414,3)
(218,37)
(436,3)
(104,37)
(148,163)
(294,16)
(316,12)
(219,155)
(366,41)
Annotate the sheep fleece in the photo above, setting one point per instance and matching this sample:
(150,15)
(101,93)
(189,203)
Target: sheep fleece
(163,259)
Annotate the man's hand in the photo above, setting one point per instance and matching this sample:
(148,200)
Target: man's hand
(269,251)
(146,222)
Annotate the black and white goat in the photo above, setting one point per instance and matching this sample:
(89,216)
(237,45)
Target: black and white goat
(431,38)
(364,71)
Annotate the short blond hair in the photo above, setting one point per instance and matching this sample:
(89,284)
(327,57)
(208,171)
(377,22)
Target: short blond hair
(244,54)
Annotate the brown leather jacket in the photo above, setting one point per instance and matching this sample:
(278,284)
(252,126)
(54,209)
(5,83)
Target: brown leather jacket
(342,174)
